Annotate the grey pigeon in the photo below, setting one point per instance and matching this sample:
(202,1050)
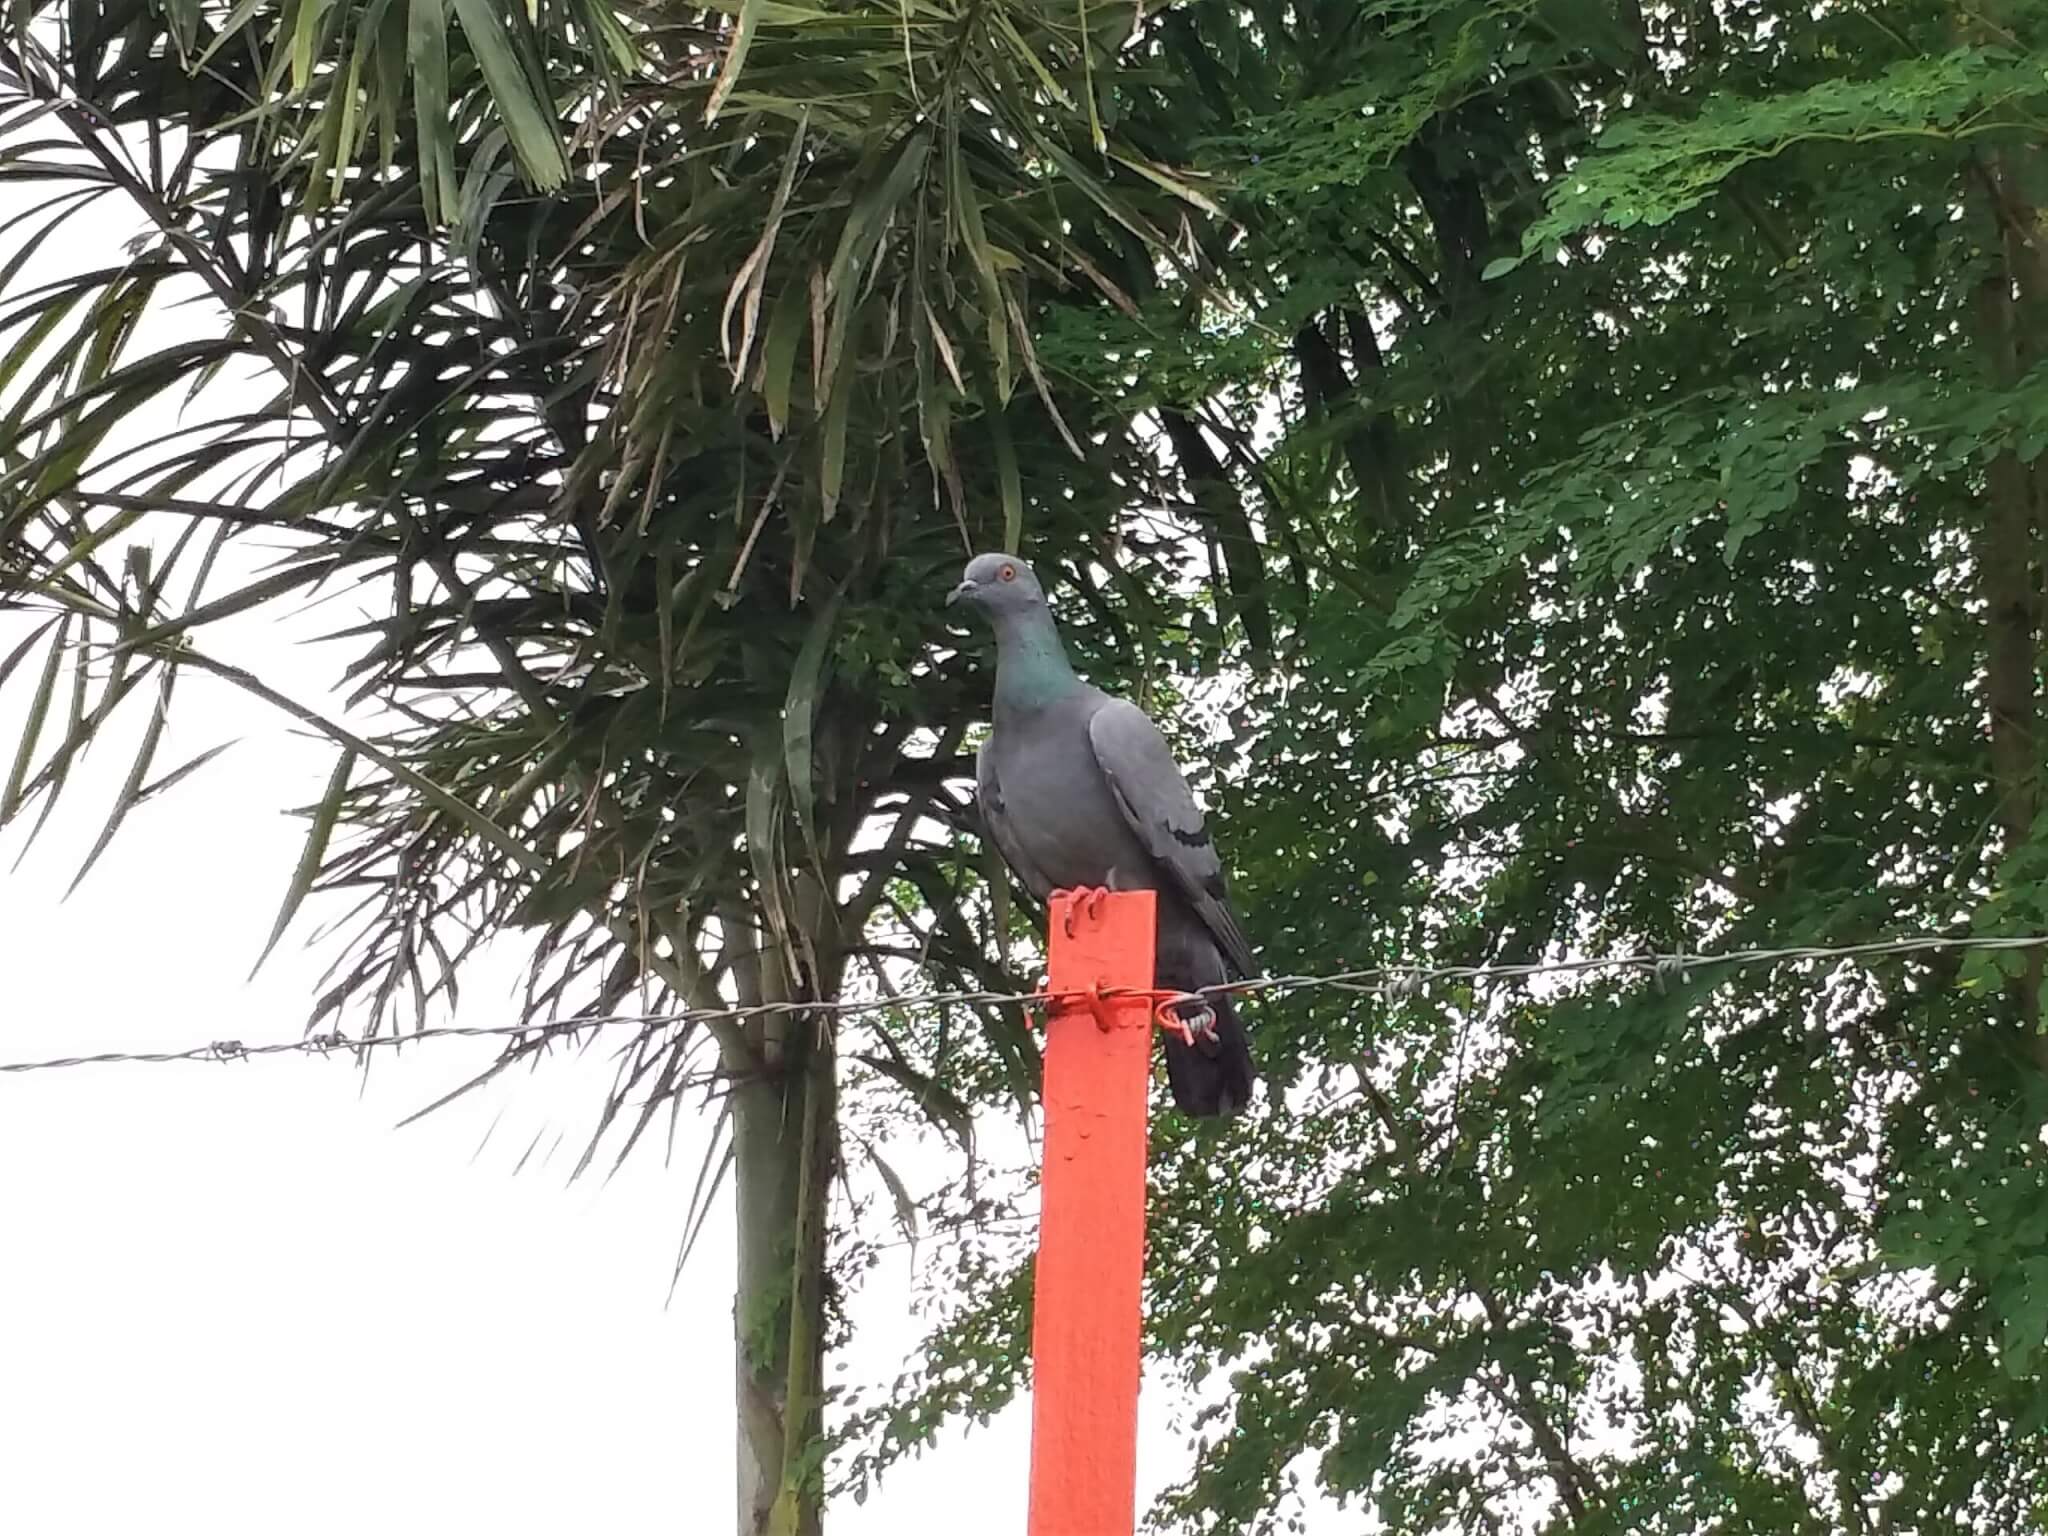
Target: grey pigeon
(1080,790)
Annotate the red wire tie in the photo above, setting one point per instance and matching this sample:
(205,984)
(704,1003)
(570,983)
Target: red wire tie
(1173,1023)
(1160,1001)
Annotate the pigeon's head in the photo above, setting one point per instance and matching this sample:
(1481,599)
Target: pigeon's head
(998,584)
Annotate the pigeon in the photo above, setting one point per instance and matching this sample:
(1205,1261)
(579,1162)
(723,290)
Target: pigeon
(1081,792)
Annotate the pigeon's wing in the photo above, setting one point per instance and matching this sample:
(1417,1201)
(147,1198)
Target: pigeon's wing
(988,794)
(1157,803)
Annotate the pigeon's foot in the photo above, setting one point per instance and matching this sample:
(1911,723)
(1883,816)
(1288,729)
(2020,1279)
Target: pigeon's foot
(1086,898)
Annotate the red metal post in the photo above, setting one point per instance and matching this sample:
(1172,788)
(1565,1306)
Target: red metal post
(1091,1233)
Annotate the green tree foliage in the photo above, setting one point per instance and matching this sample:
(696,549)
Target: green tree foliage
(1641,410)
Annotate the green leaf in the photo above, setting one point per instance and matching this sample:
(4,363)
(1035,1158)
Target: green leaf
(427,53)
(522,101)
(832,463)
(799,717)
(744,292)
(237,19)
(778,354)
(38,711)
(15,657)
(183,771)
(50,780)
(906,1208)
(737,44)
(711,1173)
(1006,478)
(255,594)
(967,218)
(130,794)
(1023,50)
(313,855)
(1160,177)
(307,16)
(31,341)
(859,237)
(764,843)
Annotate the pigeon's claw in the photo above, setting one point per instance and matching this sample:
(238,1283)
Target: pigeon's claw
(1082,899)
(1056,896)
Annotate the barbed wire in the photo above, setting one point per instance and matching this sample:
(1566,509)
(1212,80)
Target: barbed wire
(1393,982)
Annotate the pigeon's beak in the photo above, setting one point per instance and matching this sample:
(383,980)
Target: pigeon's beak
(965,589)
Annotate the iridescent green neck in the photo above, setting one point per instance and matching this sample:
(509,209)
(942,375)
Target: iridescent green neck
(1031,664)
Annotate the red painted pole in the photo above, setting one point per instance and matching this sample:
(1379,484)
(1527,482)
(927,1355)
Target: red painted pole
(1091,1226)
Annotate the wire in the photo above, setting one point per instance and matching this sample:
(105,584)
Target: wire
(1394,982)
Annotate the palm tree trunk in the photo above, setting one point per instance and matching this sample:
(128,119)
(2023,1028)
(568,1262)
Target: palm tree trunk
(785,1137)
(785,1132)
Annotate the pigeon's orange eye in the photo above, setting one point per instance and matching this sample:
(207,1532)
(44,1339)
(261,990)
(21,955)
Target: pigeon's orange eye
(1008,573)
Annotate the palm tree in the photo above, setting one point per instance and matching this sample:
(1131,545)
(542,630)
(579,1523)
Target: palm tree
(644,371)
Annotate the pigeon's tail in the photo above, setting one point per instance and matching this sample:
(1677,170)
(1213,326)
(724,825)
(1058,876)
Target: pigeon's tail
(1213,1076)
